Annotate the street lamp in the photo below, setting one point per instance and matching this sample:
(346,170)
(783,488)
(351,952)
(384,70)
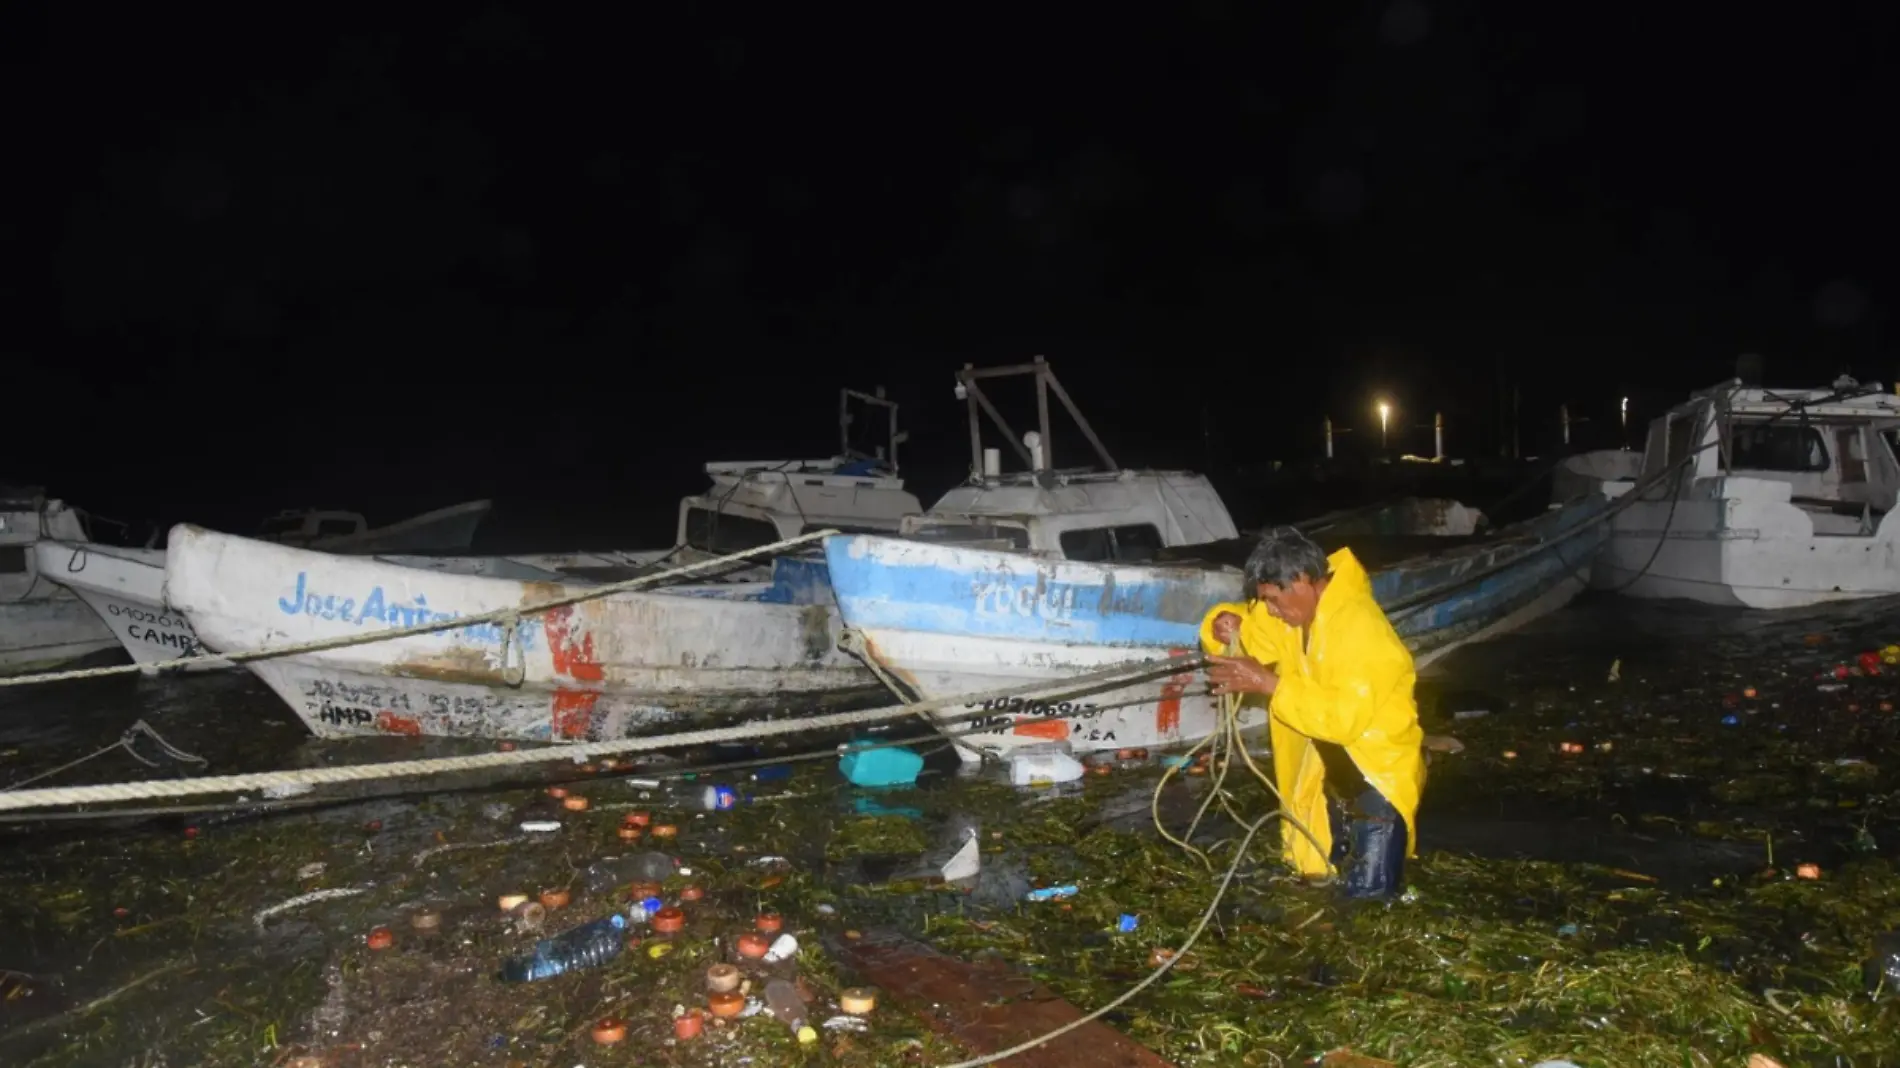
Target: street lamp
(1385,415)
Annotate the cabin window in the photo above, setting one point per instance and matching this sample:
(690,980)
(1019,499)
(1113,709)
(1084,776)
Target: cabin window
(1847,445)
(713,532)
(12,559)
(1131,544)
(1775,447)
(964,533)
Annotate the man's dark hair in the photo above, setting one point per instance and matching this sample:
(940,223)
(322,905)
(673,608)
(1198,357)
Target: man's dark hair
(1283,555)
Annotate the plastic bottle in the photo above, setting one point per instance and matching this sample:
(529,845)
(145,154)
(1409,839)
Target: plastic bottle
(603,875)
(1033,764)
(586,946)
(784,1003)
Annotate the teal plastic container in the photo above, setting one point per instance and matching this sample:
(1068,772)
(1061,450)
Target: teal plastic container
(890,766)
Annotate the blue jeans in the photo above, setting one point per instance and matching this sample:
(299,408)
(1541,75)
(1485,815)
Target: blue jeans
(1369,845)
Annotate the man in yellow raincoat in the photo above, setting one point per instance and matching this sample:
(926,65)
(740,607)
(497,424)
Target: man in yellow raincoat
(1344,723)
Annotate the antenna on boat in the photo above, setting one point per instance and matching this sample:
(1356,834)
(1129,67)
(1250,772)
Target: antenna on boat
(1749,367)
(846,417)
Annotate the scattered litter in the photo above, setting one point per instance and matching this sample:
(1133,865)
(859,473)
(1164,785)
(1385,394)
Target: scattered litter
(301,900)
(1616,670)
(1127,923)
(785,948)
(540,826)
(311,870)
(1471,713)
(967,863)
(289,789)
(848,1023)
(1052,893)
(586,946)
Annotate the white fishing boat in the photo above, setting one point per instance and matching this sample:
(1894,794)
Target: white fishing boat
(1763,498)
(443,530)
(748,504)
(1025,580)
(125,588)
(606,668)
(42,625)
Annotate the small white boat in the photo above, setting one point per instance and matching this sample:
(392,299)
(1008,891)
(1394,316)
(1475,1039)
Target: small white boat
(42,625)
(126,588)
(747,505)
(607,668)
(443,530)
(1763,498)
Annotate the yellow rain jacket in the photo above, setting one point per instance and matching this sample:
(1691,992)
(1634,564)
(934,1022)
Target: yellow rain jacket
(1352,685)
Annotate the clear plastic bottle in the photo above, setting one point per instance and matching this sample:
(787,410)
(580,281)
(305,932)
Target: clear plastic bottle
(649,867)
(586,946)
(782,1000)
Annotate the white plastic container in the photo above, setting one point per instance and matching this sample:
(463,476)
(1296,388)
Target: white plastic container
(1037,765)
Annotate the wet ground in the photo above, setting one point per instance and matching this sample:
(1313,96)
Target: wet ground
(1611,872)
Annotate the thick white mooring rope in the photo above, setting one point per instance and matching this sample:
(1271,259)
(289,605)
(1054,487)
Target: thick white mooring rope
(1112,677)
(507,618)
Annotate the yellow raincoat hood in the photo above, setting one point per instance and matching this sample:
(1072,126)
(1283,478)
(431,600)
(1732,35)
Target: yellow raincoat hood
(1352,685)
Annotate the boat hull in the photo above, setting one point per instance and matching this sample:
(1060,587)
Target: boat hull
(126,588)
(1746,548)
(49,632)
(946,620)
(613,667)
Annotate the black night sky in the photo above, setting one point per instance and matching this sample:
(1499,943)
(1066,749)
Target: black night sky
(260,257)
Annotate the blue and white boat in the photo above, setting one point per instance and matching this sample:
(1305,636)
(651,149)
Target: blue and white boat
(946,619)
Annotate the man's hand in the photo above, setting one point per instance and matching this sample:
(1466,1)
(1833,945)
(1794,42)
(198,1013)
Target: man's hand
(1240,674)
(1226,627)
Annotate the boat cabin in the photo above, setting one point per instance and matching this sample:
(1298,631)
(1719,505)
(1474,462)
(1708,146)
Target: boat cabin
(304,527)
(1824,451)
(26,517)
(757,503)
(1100,517)
(1098,514)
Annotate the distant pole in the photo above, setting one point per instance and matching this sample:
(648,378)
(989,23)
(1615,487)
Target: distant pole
(1625,416)
(1563,420)
(1438,436)
(1329,437)
(1517,451)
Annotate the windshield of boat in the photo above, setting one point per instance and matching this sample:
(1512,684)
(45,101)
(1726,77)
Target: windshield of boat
(1776,447)
(1004,535)
(724,532)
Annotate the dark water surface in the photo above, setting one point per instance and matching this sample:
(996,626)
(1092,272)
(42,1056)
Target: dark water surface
(1664,791)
